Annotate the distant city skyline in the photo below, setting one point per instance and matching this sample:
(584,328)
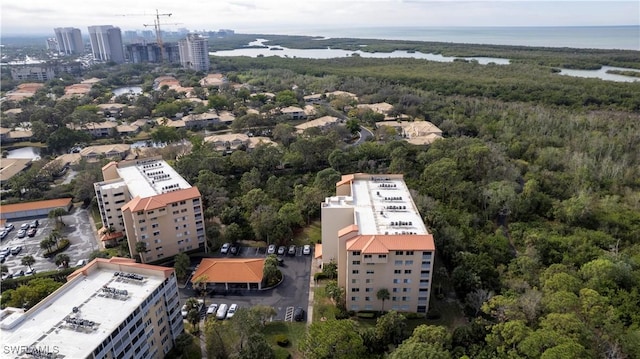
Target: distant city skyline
(40,17)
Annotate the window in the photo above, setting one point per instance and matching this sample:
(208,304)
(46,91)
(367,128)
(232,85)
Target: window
(368,289)
(353,290)
(409,253)
(183,202)
(140,213)
(155,225)
(175,212)
(367,299)
(367,256)
(156,233)
(408,263)
(407,271)
(397,271)
(406,290)
(382,256)
(395,290)
(368,280)
(355,263)
(398,263)
(354,299)
(396,280)
(399,253)
(407,280)
(355,271)
(183,210)
(356,253)
(150,212)
(369,271)
(141,221)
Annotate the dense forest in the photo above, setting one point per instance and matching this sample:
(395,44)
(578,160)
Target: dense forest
(533,194)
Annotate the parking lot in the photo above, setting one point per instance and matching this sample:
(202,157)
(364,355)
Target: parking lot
(78,230)
(292,292)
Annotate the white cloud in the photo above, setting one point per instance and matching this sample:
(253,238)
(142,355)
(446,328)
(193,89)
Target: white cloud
(285,16)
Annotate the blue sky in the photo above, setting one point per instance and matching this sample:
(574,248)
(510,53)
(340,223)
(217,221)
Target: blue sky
(305,16)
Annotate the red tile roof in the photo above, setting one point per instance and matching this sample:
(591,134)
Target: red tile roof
(230,270)
(161,200)
(380,244)
(30,206)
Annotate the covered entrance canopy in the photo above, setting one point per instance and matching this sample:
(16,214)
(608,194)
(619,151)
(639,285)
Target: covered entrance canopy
(230,271)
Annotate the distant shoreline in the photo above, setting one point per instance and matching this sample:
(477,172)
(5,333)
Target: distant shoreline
(615,37)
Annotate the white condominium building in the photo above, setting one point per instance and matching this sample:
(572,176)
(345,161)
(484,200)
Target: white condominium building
(375,234)
(194,52)
(147,200)
(69,40)
(110,308)
(106,43)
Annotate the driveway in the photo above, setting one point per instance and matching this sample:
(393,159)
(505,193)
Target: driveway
(293,291)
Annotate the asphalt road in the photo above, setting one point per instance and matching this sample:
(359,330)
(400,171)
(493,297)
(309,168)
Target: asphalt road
(293,291)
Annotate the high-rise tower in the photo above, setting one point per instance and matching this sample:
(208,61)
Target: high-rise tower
(69,40)
(106,43)
(194,52)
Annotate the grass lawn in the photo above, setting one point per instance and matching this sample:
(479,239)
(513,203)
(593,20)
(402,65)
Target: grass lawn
(310,234)
(293,331)
(322,305)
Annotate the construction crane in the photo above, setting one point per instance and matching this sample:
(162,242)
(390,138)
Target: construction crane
(156,25)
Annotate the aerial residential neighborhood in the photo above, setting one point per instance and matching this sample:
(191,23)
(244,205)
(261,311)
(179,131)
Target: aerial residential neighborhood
(168,193)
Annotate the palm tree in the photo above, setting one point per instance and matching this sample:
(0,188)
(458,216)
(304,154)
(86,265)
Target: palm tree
(28,261)
(383,294)
(63,260)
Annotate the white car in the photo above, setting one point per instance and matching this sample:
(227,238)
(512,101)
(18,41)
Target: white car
(222,311)
(184,311)
(232,311)
(306,249)
(271,249)
(212,309)
(225,248)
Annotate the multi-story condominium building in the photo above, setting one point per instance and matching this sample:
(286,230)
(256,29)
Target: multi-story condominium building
(33,72)
(194,52)
(148,201)
(374,233)
(150,52)
(106,43)
(69,40)
(110,308)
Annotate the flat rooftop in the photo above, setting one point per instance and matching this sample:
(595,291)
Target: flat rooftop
(382,205)
(147,179)
(53,324)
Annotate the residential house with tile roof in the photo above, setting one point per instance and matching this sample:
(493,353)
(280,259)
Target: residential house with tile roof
(374,233)
(149,202)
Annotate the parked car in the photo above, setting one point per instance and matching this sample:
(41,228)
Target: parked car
(292,250)
(24,226)
(17,274)
(31,232)
(2,258)
(282,250)
(225,248)
(3,233)
(232,311)
(15,250)
(235,249)
(306,250)
(222,311)
(5,252)
(271,249)
(81,263)
(34,224)
(298,314)
(6,275)
(30,272)
(8,227)
(184,311)
(22,233)
(212,309)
